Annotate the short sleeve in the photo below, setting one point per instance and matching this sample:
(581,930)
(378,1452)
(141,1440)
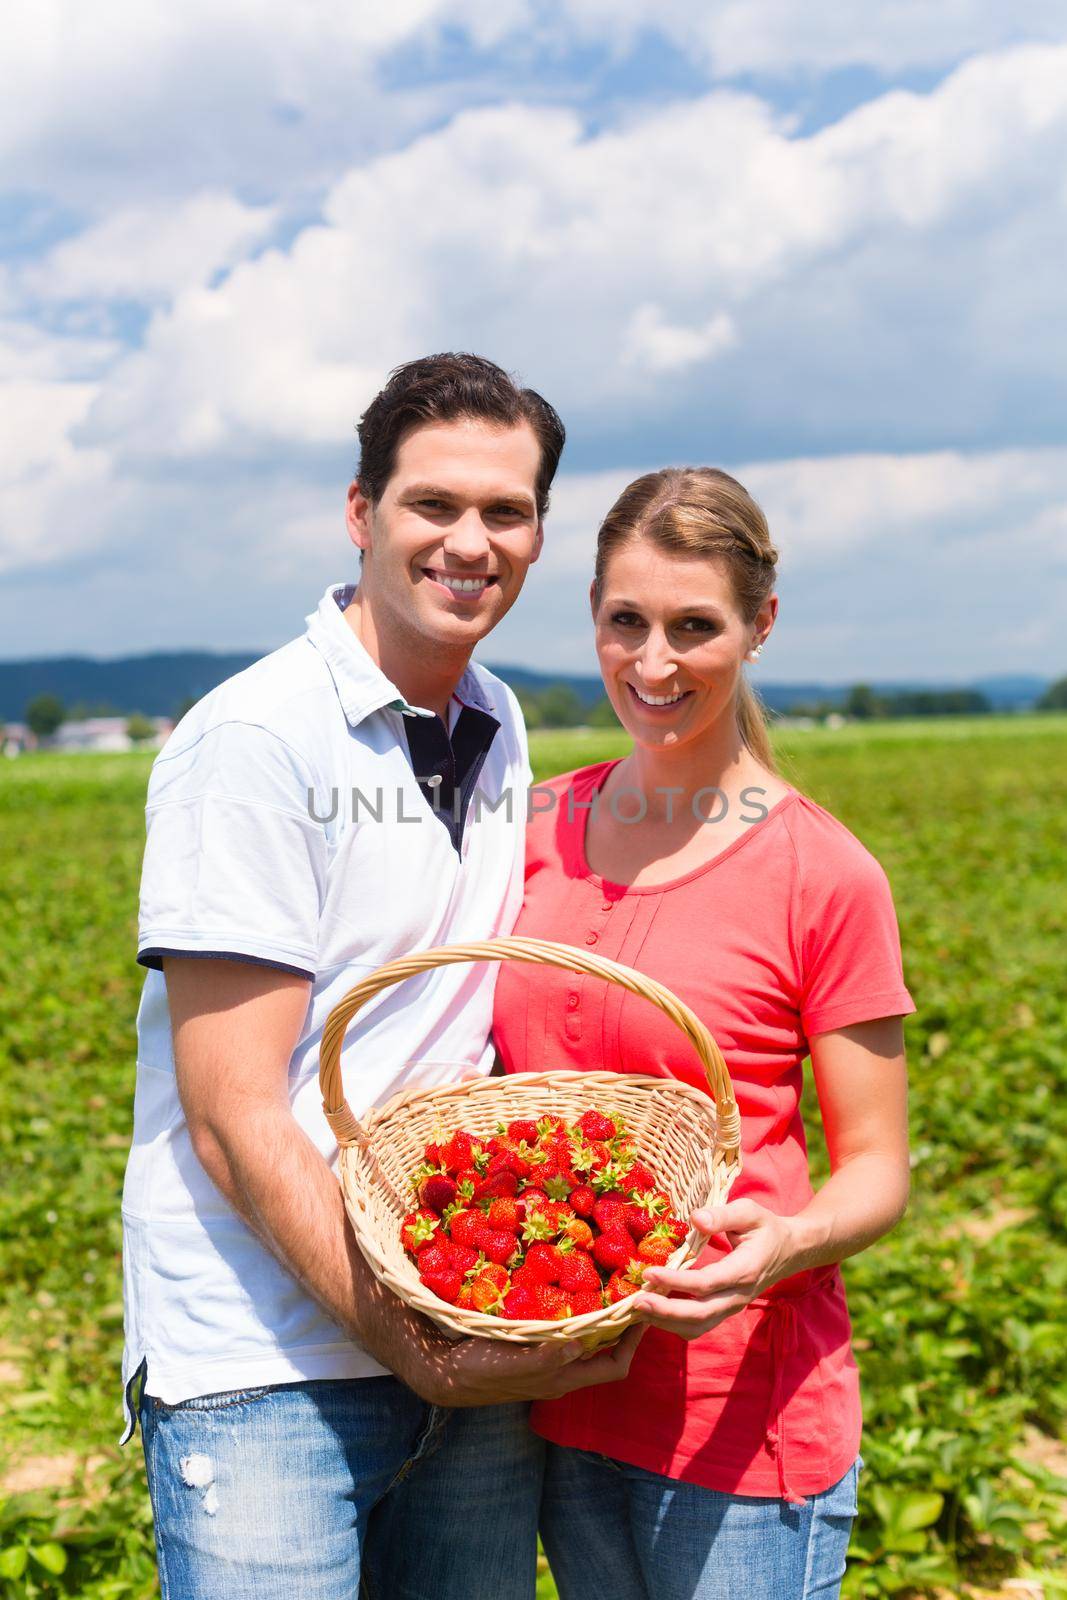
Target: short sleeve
(235,862)
(852,966)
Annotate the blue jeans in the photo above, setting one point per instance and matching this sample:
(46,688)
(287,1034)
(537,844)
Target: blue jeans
(613,1529)
(335,1489)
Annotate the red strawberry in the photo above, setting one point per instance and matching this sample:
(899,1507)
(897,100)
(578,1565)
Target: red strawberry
(459,1152)
(557,1182)
(620,1286)
(578,1232)
(614,1250)
(552,1303)
(595,1125)
(525,1277)
(656,1249)
(520,1304)
(675,1230)
(579,1272)
(464,1257)
(463,1225)
(437,1191)
(417,1230)
(610,1212)
(495,1243)
(582,1200)
(645,1210)
(467,1180)
(639,1179)
(532,1200)
(437,1257)
(465,1299)
(583,1300)
(508,1160)
(501,1182)
(432,1155)
(523,1131)
(485,1294)
(537,1225)
(504,1213)
(495,1274)
(445,1285)
(546,1260)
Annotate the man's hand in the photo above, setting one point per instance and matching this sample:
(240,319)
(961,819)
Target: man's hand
(484,1372)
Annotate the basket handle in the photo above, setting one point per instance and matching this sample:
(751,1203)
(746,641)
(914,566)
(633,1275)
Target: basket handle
(546,952)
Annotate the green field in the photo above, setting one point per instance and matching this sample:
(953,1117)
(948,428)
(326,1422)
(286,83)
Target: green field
(959,1315)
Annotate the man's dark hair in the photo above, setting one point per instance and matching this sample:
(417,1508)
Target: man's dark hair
(446,388)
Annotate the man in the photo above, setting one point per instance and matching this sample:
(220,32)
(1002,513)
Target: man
(309,820)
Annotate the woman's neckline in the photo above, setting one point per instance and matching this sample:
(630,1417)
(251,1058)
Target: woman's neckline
(686,877)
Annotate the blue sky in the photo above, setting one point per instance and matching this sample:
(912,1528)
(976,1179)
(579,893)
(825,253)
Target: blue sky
(821,250)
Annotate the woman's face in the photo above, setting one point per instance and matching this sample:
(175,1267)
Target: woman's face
(671,642)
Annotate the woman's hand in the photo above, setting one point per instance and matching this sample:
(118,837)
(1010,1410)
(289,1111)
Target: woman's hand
(765,1249)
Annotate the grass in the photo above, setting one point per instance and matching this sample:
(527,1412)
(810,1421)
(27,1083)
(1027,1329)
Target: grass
(959,1315)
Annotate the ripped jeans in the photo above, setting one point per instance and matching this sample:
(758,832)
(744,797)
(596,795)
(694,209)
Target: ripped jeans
(333,1489)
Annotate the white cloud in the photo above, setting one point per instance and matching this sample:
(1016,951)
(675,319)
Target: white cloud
(821,274)
(149,252)
(655,344)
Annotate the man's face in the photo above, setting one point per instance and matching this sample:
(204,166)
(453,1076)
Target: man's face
(447,547)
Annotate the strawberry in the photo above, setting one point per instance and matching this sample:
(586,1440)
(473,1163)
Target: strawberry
(582,1200)
(578,1232)
(417,1230)
(552,1303)
(595,1125)
(459,1152)
(520,1304)
(537,1225)
(610,1211)
(638,1221)
(495,1243)
(646,1209)
(464,1224)
(525,1277)
(579,1272)
(638,1180)
(675,1230)
(504,1213)
(446,1285)
(495,1273)
(509,1160)
(621,1285)
(467,1180)
(465,1299)
(583,1300)
(656,1248)
(501,1182)
(614,1250)
(531,1200)
(432,1155)
(546,1260)
(437,1257)
(464,1257)
(437,1191)
(486,1295)
(523,1131)
(558,1184)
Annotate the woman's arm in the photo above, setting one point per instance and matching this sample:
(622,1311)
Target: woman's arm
(861,1080)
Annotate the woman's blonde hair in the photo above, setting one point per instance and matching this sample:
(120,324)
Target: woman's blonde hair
(700,511)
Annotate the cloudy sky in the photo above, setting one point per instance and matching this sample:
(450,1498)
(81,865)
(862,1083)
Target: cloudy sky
(822,249)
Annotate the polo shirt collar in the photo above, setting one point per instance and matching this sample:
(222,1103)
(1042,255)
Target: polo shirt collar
(362,687)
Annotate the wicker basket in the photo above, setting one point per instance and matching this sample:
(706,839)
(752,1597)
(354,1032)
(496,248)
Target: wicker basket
(691,1142)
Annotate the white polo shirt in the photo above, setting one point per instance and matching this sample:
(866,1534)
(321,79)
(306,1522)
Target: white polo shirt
(287,825)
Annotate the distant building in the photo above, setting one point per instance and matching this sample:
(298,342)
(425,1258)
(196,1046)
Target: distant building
(106,735)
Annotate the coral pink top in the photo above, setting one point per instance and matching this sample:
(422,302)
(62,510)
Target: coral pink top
(789,932)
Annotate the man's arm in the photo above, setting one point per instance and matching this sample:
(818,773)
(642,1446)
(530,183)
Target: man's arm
(235,1027)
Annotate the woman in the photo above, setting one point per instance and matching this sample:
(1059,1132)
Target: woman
(725,1464)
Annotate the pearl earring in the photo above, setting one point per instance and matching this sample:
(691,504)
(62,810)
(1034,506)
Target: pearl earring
(754,654)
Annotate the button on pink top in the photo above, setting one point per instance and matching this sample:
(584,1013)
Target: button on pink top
(788,932)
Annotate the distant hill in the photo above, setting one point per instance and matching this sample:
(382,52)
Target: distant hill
(159,685)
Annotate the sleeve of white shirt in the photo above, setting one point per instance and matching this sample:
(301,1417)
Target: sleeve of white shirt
(235,863)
